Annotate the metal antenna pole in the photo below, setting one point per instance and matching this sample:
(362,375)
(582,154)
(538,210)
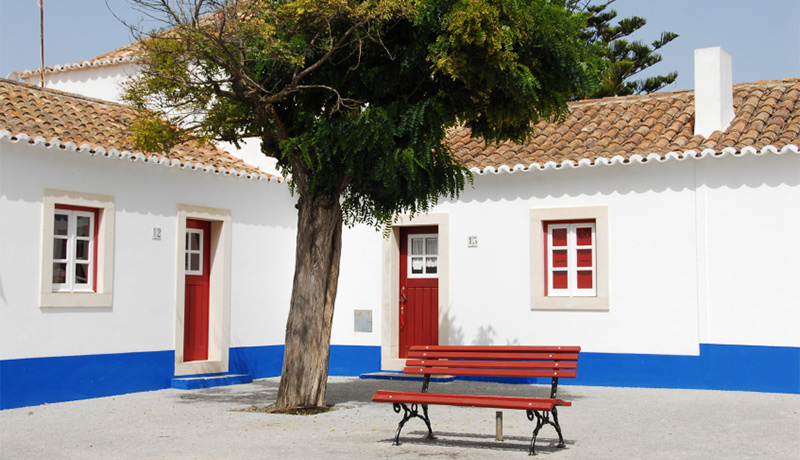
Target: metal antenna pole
(41,36)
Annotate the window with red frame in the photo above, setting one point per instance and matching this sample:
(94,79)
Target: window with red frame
(74,249)
(570,259)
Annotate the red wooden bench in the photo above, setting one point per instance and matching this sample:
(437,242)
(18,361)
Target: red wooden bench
(485,361)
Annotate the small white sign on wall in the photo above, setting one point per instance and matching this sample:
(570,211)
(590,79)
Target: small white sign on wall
(472,241)
(157,233)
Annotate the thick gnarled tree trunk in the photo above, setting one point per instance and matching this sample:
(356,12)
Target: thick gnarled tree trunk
(308,329)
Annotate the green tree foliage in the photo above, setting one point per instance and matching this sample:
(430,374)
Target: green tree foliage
(621,59)
(354,99)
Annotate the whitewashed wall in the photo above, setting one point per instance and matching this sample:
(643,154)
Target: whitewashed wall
(145,196)
(96,81)
(752,250)
(651,240)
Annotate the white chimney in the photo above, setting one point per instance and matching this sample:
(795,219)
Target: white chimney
(713,90)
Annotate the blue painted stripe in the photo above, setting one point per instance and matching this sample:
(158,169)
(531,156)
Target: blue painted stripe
(353,360)
(719,367)
(260,362)
(28,382)
(345,360)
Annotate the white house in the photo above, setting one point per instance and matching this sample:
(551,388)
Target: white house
(665,252)
(104,282)
(655,231)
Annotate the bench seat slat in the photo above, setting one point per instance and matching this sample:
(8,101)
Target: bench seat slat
(420,370)
(493,348)
(493,364)
(497,402)
(424,354)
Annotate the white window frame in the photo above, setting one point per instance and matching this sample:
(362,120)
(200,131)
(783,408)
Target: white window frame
(572,247)
(101,295)
(70,258)
(425,256)
(539,219)
(188,251)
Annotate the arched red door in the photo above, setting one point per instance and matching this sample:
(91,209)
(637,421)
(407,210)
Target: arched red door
(419,287)
(197,271)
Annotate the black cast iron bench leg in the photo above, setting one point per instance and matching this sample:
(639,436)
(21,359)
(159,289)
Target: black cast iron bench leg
(542,420)
(408,415)
(557,426)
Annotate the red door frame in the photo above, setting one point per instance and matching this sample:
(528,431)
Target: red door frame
(419,299)
(196,301)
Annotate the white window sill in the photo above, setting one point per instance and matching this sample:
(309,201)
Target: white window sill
(570,303)
(75,299)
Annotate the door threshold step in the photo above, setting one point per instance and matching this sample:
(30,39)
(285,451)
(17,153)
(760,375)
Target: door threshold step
(194,382)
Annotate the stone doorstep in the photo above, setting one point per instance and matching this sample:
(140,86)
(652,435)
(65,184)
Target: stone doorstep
(193,382)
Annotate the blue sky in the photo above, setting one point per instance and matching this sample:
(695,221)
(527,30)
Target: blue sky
(763,36)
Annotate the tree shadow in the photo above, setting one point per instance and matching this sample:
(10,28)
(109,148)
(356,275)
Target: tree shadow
(354,392)
(259,392)
(486,336)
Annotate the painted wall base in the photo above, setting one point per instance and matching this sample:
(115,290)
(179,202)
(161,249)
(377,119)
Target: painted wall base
(194,382)
(29,382)
(719,367)
(34,381)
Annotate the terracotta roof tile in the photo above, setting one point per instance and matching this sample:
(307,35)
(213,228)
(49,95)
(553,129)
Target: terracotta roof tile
(767,114)
(28,113)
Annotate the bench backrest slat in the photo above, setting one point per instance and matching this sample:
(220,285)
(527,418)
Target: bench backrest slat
(454,363)
(494,355)
(524,373)
(494,361)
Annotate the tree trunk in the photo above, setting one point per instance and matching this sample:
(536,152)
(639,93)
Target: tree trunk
(308,330)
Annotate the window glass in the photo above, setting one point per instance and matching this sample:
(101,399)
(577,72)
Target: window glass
(431,265)
(82,250)
(559,237)
(560,258)
(584,257)
(195,265)
(416,265)
(584,236)
(59,273)
(83,228)
(560,279)
(431,246)
(585,279)
(416,246)
(195,241)
(59,248)
(60,224)
(81,273)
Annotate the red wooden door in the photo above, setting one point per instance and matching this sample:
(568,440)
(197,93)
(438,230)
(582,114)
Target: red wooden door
(197,269)
(419,287)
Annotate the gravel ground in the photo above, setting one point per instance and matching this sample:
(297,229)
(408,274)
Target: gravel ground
(603,423)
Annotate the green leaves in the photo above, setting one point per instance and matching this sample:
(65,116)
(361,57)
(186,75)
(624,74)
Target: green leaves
(354,98)
(619,59)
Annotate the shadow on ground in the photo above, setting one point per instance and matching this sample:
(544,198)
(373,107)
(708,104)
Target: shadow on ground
(480,441)
(350,391)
